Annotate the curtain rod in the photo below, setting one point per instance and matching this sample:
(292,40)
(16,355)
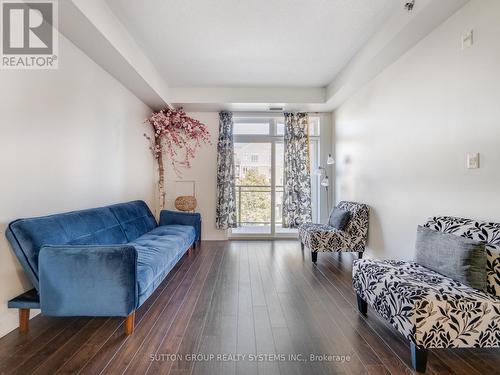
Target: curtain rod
(271,114)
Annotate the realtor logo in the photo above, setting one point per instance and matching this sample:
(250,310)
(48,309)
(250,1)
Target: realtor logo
(29,34)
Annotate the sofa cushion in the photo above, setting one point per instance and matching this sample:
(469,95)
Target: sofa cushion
(158,251)
(135,218)
(429,309)
(459,258)
(477,230)
(339,218)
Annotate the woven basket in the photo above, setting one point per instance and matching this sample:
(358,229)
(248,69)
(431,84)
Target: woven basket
(185,203)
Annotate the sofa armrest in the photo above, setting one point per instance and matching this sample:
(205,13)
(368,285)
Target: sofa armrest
(88,280)
(182,218)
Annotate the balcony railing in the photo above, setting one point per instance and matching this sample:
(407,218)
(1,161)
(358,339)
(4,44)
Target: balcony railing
(247,191)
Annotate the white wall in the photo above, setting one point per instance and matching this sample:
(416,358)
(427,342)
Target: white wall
(70,139)
(402,139)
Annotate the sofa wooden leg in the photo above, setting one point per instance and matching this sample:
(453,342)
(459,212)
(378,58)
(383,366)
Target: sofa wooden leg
(302,246)
(24,320)
(314,256)
(130,324)
(418,358)
(362,305)
(360,254)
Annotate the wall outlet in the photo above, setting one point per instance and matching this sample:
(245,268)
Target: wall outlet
(473,160)
(468,39)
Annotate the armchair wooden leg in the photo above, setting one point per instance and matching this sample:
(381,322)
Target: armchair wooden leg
(302,246)
(314,256)
(130,323)
(24,319)
(362,305)
(418,358)
(360,254)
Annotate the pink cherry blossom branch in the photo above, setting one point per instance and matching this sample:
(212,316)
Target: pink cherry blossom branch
(177,136)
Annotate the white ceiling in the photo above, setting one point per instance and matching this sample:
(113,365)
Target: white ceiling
(251,43)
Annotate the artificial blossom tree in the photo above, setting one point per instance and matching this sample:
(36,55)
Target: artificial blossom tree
(176,136)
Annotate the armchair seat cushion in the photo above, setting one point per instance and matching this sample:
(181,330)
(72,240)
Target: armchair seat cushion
(158,251)
(321,237)
(184,233)
(431,310)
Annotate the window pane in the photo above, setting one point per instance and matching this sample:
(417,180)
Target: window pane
(280,128)
(314,126)
(257,136)
(251,128)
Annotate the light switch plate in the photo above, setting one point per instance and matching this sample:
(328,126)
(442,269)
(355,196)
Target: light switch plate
(468,39)
(473,160)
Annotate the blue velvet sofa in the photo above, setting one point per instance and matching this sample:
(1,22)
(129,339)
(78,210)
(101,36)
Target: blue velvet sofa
(98,262)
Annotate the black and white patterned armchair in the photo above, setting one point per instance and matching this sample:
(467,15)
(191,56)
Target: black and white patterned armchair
(322,237)
(429,309)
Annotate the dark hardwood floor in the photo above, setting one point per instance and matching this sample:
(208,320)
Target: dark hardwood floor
(230,298)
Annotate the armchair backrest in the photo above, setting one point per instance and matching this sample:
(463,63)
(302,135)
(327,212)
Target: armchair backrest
(358,224)
(488,233)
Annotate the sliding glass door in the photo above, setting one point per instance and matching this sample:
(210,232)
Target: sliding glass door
(259,157)
(254,193)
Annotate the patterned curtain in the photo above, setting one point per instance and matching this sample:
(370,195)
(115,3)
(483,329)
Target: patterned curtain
(226,194)
(297,175)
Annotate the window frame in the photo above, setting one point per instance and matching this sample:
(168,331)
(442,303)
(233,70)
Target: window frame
(273,138)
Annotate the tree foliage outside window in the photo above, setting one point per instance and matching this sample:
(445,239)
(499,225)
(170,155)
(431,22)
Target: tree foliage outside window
(255,199)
